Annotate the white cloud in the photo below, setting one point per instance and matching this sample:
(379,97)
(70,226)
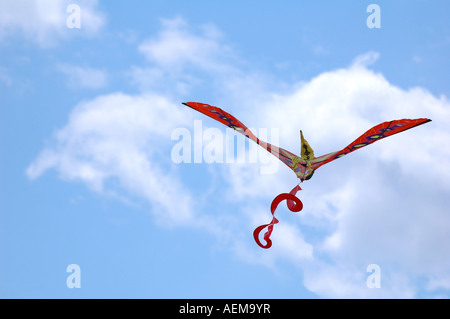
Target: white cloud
(44,21)
(175,46)
(181,58)
(84,77)
(119,137)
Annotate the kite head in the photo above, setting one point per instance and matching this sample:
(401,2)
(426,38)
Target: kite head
(302,168)
(308,175)
(304,172)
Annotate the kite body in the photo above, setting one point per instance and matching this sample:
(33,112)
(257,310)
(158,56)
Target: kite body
(304,165)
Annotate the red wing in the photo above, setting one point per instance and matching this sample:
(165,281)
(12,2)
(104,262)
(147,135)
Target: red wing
(376,133)
(229,120)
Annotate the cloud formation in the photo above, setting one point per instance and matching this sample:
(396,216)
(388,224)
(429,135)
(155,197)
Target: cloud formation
(116,138)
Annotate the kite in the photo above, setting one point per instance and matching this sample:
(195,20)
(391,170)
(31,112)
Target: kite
(306,164)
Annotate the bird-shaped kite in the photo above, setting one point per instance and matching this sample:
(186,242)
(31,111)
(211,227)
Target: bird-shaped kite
(305,165)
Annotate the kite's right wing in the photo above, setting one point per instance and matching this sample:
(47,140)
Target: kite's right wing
(376,133)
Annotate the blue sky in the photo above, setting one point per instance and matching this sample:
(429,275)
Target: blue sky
(88,178)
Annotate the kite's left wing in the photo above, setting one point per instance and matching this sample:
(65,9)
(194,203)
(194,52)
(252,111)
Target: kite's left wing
(376,133)
(229,120)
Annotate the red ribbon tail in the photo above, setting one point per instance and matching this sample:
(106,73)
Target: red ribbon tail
(266,236)
(294,205)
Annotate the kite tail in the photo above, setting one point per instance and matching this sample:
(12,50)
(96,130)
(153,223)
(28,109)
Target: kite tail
(293,203)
